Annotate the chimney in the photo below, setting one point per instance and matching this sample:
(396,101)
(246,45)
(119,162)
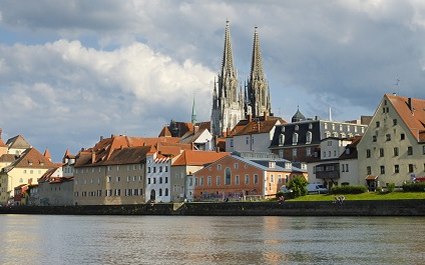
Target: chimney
(409,104)
(101,138)
(195,129)
(249,117)
(93,157)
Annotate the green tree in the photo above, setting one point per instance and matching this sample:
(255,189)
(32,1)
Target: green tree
(298,185)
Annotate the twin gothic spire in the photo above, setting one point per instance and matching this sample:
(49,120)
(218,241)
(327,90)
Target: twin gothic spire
(232,104)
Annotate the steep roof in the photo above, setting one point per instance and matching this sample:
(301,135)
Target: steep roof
(128,155)
(263,125)
(198,158)
(412,112)
(8,158)
(31,158)
(18,142)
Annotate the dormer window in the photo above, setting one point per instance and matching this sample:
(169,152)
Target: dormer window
(308,137)
(310,126)
(281,139)
(295,138)
(297,127)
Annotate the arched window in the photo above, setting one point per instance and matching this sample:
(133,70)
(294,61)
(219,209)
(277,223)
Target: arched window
(228,176)
(281,139)
(295,138)
(297,127)
(308,137)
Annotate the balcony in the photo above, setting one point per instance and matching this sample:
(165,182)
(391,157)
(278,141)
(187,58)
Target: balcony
(327,171)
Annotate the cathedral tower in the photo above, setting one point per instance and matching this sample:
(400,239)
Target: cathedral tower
(258,94)
(228,101)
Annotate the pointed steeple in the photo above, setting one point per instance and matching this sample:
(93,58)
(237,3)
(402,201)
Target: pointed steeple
(257,72)
(227,67)
(258,88)
(193,112)
(47,154)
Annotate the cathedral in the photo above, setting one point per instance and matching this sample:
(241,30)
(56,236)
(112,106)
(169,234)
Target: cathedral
(232,103)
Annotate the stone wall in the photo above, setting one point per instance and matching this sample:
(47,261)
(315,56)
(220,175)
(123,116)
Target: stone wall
(348,208)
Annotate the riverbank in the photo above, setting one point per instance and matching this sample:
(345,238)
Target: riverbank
(318,208)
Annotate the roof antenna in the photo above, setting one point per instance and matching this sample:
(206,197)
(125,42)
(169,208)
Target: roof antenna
(396,86)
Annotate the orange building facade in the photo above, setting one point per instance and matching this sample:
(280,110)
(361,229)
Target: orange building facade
(238,178)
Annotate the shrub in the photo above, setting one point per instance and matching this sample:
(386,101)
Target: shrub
(414,187)
(348,189)
(391,187)
(298,185)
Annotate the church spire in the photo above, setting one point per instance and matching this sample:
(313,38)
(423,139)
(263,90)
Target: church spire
(227,67)
(257,87)
(257,72)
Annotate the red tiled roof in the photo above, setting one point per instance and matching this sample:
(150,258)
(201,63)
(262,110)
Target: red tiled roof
(8,158)
(32,158)
(413,115)
(244,127)
(198,158)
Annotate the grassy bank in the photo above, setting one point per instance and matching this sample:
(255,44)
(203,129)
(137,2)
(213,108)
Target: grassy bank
(396,195)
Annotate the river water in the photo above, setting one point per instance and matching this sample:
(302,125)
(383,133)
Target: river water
(58,239)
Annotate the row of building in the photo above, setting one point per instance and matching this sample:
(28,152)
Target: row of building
(255,159)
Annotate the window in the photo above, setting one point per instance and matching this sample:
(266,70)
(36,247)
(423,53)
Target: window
(396,168)
(411,166)
(369,170)
(237,180)
(160,169)
(368,153)
(409,150)
(166,179)
(402,136)
(160,180)
(209,180)
(160,192)
(149,180)
(247,140)
(295,139)
(381,152)
(294,152)
(218,167)
(382,169)
(201,181)
(395,151)
(218,181)
(346,168)
(388,137)
(281,139)
(154,169)
(246,179)
(228,176)
(231,142)
(308,137)
(394,122)
(166,192)
(374,138)
(308,151)
(378,124)
(166,168)
(255,179)
(235,165)
(149,169)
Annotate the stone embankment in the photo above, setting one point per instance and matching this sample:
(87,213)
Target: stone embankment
(288,208)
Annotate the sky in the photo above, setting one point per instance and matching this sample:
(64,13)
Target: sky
(72,71)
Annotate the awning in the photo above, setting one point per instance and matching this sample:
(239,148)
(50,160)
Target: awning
(370,177)
(421,179)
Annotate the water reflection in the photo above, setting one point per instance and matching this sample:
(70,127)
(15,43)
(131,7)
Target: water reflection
(37,239)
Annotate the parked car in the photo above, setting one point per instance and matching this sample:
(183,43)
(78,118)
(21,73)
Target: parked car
(317,189)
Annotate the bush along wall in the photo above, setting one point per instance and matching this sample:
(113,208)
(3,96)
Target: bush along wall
(348,189)
(414,187)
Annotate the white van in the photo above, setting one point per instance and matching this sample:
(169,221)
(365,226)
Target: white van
(316,188)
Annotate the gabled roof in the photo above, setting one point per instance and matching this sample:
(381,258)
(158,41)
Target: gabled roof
(191,137)
(265,125)
(105,148)
(412,112)
(18,142)
(31,158)
(352,153)
(198,158)
(128,155)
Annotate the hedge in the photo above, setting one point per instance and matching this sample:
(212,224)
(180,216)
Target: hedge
(348,189)
(415,187)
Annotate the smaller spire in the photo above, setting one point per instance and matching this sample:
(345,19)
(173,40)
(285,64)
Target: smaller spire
(193,111)
(47,155)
